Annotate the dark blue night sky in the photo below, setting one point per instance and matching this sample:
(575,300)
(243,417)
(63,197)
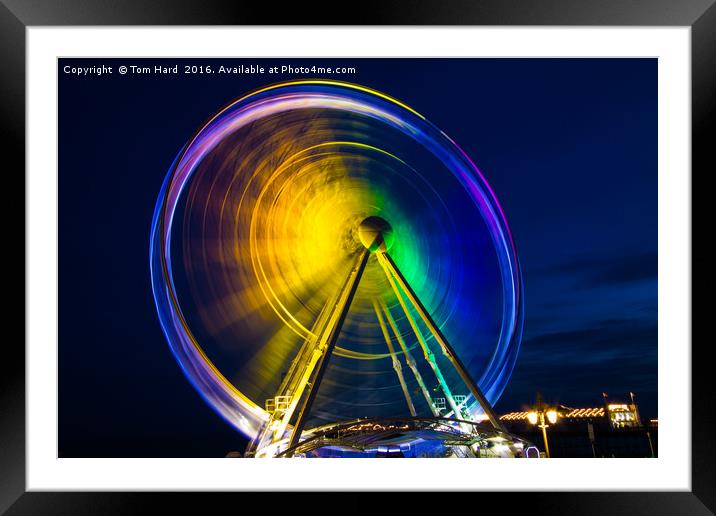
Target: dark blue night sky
(568,145)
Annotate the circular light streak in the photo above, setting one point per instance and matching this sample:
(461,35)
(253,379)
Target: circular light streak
(260,214)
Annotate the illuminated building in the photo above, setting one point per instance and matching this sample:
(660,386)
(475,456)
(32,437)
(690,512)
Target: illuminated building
(612,430)
(622,415)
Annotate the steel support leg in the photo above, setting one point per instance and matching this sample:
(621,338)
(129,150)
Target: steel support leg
(429,356)
(328,342)
(396,363)
(393,272)
(409,359)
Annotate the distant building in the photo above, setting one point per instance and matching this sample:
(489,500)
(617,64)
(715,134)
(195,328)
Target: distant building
(612,430)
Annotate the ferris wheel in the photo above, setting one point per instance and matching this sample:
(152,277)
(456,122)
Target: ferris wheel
(333,272)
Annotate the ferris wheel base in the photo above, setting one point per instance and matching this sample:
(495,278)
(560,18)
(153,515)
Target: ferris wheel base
(433,437)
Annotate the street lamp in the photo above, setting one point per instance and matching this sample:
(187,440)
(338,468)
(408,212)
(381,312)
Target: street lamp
(541,415)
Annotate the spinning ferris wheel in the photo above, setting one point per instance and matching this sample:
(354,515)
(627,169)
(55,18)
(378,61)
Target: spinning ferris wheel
(335,277)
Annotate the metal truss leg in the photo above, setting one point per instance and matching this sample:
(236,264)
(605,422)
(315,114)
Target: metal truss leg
(409,359)
(328,342)
(294,383)
(429,356)
(394,275)
(396,363)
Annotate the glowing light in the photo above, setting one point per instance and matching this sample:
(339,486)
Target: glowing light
(532,452)
(532,418)
(552,416)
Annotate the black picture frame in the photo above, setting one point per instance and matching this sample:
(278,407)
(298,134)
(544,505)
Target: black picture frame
(700,15)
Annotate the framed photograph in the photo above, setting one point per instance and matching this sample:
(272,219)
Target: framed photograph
(263,246)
